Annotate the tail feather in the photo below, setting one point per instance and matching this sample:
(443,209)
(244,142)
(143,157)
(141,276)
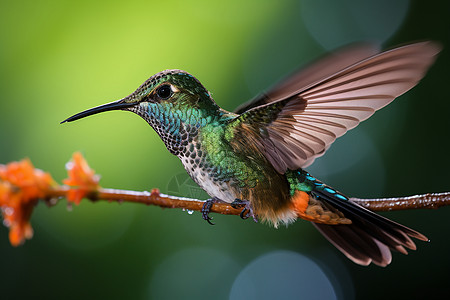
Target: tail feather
(366,237)
(354,243)
(370,236)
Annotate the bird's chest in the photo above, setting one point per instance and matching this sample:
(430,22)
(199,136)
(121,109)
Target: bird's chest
(210,184)
(213,172)
(207,178)
(221,171)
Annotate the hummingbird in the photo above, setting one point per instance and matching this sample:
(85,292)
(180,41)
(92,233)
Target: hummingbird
(255,157)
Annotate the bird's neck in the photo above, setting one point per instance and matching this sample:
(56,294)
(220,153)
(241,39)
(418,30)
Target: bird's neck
(177,125)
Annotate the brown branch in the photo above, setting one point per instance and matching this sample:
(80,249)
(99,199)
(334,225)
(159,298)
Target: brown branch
(431,200)
(83,180)
(153,198)
(21,187)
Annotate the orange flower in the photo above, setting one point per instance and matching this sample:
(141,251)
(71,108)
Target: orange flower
(81,177)
(32,182)
(21,185)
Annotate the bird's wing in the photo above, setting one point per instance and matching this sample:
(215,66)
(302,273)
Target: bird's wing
(312,73)
(301,123)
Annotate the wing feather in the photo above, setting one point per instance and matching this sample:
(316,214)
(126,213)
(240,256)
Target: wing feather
(311,112)
(313,73)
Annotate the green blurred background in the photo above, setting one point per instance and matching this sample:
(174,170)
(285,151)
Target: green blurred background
(60,57)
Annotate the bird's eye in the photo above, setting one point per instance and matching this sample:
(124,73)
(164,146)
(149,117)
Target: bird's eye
(164,92)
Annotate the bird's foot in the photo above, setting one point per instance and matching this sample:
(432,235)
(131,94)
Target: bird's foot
(247,211)
(206,209)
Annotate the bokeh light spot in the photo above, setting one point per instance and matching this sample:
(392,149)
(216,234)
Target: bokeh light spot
(282,275)
(336,23)
(194,273)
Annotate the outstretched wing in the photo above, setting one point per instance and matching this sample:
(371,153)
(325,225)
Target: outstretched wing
(312,73)
(297,121)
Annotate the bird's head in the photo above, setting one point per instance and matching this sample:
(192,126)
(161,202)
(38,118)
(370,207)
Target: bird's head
(170,90)
(173,102)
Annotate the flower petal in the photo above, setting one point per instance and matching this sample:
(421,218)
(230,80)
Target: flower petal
(82,179)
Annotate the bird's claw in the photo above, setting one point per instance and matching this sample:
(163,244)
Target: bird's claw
(247,211)
(206,209)
(243,215)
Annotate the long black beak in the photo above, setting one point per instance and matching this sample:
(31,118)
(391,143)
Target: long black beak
(116,105)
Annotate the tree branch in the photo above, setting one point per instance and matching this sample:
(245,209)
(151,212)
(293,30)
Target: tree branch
(22,186)
(149,198)
(430,200)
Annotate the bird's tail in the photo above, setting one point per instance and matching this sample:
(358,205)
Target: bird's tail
(362,235)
